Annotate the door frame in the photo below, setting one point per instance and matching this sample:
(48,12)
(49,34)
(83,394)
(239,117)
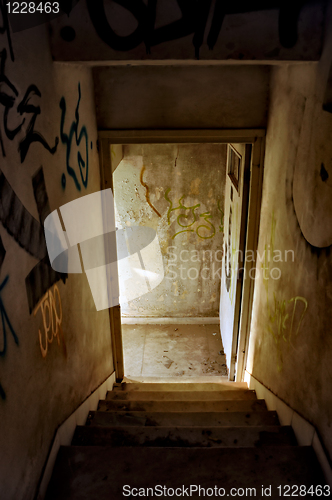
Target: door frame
(245,189)
(255,137)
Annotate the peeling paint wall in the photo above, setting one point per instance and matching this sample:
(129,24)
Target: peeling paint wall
(55,349)
(178,190)
(291,341)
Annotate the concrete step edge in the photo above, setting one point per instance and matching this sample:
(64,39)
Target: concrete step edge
(191,436)
(184,406)
(178,419)
(179,386)
(180,395)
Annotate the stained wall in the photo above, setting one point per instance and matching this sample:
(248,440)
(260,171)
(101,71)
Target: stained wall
(291,342)
(55,348)
(178,190)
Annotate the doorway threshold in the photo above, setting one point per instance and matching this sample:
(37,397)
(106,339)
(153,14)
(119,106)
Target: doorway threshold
(126,320)
(178,380)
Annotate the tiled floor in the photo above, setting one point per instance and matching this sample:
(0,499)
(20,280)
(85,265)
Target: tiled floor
(173,351)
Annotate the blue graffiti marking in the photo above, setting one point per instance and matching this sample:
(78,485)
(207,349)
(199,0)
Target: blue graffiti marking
(5,321)
(79,137)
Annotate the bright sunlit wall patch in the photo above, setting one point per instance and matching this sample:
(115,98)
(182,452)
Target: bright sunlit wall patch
(81,237)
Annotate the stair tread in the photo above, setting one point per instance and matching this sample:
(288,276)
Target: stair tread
(184,436)
(148,418)
(85,473)
(164,406)
(180,386)
(180,395)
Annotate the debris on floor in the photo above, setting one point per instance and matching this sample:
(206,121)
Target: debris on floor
(194,350)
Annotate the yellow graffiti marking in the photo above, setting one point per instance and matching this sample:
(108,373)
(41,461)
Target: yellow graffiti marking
(51,310)
(206,216)
(221,226)
(279,326)
(282,324)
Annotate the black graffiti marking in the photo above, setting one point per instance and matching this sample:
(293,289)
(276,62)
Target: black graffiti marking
(39,281)
(203,9)
(32,135)
(324,175)
(8,97)
(4,317)
(2,257)
(40,194)
(5,28)
(42,276)
(8,94)
(19,223)
(123,43)
(288,21)
(29,234)
(2,252)
(66,6)
(5,323)
(193,21)
(79,136)
(67,33)
(217,20)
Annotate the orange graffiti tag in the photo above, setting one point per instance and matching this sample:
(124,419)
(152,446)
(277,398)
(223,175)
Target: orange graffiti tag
(51,310)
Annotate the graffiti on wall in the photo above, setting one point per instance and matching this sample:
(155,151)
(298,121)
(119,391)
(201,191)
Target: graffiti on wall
(19,121)
(25,112)
(188,217)
(221,225)
(20,112)
(42,276)
(51,312)
(80,140)
(4,28)
(29,235)
(193,21)
(284,316)
(7,327)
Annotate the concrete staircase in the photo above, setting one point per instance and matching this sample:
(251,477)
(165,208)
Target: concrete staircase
(212,436)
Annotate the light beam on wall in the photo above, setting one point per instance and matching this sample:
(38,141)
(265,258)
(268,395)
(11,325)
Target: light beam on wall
(81,237)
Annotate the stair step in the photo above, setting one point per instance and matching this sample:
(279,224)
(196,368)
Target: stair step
(180,395)
(182,406)
(167,419)
(184,436)
(180,386)
(100,472)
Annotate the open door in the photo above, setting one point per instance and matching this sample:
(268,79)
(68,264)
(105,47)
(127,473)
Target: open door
(235,224)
